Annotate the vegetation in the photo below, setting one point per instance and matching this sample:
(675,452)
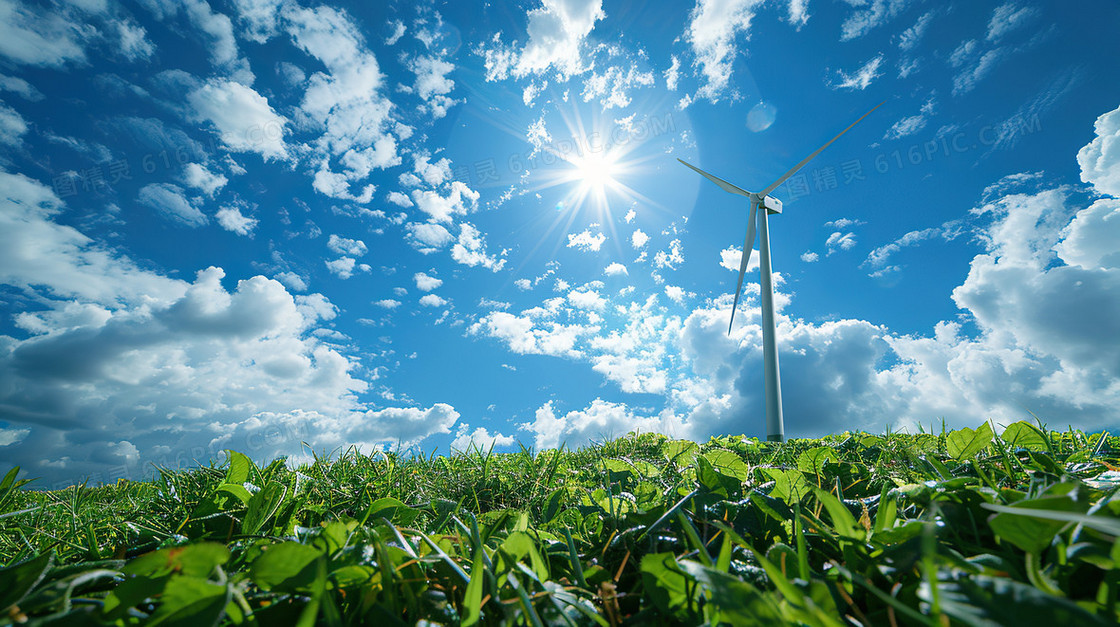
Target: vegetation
(961,527)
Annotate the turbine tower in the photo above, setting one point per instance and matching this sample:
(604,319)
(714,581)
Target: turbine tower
(775,427)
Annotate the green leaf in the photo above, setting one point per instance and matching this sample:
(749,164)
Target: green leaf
(239,468)
(286,567)
(842,520)
(728,464)
(190,602)
(984,600)
(237,490)
(965,443)
(680,452)
(472,600)
(262,506)
(1029,531)
(813,460)
(666,585)
(193,560)
(16,581)
(734,601)
(1025,435)
(789,485)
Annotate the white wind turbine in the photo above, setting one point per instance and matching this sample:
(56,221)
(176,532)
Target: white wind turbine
(775,427)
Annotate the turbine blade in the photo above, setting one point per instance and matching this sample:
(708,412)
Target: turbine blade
(748,244)
(727,187)
(782,179)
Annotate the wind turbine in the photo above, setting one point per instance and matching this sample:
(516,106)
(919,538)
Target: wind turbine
(775,427)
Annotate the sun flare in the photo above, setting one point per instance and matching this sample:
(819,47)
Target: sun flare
(595,171)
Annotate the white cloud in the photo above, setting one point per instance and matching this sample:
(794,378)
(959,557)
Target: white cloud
(557,32)
(345,246)
(429,236)
(346,102)
(838,241)
(810,256)
(470,250)
(669,258)
(713,28)
(292,281)
(20,87)
(732,257)
(243,118)
(1006,18)
(969,77)
(870,15)
(343,267)
(630,215)
(433,85)
(426,283)
(480,438)
(912,124)
(202,179)
(638,239)
(676,293)
(260,18)
(432,300)
(798,13)
(612,88)
(387,303)
(910,37)
(170,201)
(523,284)
(134,44)
(460,200)
(1100,158)
(861,78)
(600,421)
(12,126)
(673,74)
(586,299)
(400,200)
(32,37)
(615,269)
(231,219)
(586,242)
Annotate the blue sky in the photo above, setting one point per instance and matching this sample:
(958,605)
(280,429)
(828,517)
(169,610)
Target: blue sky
(262,223)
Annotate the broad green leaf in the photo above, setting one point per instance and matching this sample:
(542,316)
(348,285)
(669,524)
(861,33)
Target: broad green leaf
(665,583)
(735,602)
(1025,435)
(789,485)
(680,452)
(239,468)
(286,567)
(728,463)
(16,581)
(984,600)
(965,443)
(192,560)
(1033,533)
(237,490)
(190,602)
(812,461)
(262,506)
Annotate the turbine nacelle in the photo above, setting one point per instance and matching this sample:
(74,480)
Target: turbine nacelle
(772,205)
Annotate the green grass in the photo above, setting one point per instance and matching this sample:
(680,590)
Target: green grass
(930,529)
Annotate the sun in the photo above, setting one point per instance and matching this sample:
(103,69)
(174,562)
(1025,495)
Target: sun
(595,171)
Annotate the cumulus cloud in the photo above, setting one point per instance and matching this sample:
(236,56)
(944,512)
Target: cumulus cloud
(480,439)
(432,300)
(713,28)
(470,250)
(182,369)
(638,238)
(586,242)
(557,31)
(600,421)
(426,283)
(1100,158)
(615,269)
(732,257)
(38,37)
(243,119)
(199,177)
(345,246)
(429,237)
(459,201)
(230,218)
(171,202)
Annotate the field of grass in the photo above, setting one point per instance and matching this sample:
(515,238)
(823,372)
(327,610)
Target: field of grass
(962,527)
